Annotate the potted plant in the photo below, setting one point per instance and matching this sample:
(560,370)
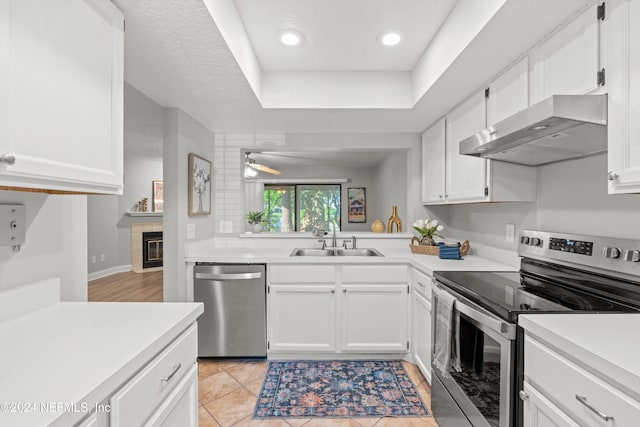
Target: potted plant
(257,220)
(427,229)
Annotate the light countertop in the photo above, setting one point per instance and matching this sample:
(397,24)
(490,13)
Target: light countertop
(78,353)
(604,344)
(392,255)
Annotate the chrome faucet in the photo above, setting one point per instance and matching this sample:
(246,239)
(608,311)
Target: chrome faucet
(323,243)
(334,242)
(353,242)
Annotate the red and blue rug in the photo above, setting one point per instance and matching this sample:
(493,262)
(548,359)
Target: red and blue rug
(336,389)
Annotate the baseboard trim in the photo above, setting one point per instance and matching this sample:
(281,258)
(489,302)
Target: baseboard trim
(109,271)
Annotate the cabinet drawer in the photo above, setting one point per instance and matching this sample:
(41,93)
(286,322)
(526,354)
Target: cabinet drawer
(375,274)
(561,381)
(136,401)
(302,274)
(421,283)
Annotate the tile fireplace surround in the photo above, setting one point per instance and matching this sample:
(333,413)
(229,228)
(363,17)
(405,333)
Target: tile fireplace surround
(136,244)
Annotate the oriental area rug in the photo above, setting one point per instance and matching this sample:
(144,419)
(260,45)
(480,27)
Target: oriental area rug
(338,389)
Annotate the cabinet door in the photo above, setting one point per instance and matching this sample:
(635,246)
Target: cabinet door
(302,318)
(568,62)
(466,175)
(180,409)
(374,318)
(540,412)
(421,327)
(623,68)
(433,148)
(61,95)
(509,93)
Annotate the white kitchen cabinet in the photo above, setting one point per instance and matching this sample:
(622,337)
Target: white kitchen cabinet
(508,93)
(575,395)
(374,318)
(538,411)
(61,95)
(421,326)
(569,61)
(164,392)
(433,163)
(623,68)
(302,317)
(465,175)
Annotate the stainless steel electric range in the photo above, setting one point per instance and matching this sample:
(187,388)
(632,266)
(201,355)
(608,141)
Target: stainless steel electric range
(559,273)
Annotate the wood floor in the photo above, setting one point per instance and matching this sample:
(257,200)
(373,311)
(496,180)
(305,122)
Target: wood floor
(127,287)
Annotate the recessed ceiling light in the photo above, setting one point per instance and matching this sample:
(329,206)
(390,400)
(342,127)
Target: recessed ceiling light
(290,38)
(390,39)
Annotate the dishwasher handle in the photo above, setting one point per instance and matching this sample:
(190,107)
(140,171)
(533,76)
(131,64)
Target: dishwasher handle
(229,276)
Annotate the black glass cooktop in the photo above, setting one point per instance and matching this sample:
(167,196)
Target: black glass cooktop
(510,294)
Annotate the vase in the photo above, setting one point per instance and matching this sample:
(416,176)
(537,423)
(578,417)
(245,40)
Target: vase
(377,226)
(427,241)
(256,228)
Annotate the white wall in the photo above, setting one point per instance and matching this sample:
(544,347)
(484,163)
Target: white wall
(109,231)
(390,186)
(55,244)
(182,135)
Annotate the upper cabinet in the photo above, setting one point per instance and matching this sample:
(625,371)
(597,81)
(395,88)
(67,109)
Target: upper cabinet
(449,177)
(569,61)
(623,69)
(509,93)
(61,95)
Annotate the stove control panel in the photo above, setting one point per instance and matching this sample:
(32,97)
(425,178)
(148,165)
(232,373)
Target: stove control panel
(621,256)
(573,246)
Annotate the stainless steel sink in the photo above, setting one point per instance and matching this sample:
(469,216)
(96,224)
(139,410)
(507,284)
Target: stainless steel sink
(312,252)
(358,252)
(335,252)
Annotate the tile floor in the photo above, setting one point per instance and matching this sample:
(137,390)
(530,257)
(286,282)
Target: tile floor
(228,391)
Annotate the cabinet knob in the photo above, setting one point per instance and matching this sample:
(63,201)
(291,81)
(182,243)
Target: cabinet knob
(440,196)
(612,176)
(7,159)
(344,291)
(523,395)
(333,290)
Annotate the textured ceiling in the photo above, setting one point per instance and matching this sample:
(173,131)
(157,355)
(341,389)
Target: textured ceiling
(341,35)
(175,54)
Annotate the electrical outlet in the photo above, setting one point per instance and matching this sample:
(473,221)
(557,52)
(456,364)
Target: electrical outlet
(510,233)
(93,259)
(102,257)
(191,230)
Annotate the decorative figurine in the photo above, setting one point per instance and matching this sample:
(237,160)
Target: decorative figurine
(394,219)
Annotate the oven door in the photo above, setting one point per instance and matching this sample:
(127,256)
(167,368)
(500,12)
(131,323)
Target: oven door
(481,393)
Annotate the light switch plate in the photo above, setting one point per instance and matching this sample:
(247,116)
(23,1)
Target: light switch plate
(191,231)
(12,225)
(510,233)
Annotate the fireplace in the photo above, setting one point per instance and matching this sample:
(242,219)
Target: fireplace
(152,249)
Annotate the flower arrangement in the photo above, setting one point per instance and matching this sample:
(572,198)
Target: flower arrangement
(256,217)
(428,229)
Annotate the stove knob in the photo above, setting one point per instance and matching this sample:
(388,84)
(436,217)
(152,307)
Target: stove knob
(633,256)
(536,242)
(524,240)
(611,253)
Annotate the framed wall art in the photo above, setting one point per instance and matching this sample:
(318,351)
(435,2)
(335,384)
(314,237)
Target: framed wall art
(357,204)
(157,201)
(199,185)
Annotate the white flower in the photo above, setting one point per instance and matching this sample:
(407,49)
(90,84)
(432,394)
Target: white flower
(440,228)
(415,224)
(434,222)
(421,223)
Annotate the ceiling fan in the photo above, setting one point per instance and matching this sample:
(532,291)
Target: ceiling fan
(252,166)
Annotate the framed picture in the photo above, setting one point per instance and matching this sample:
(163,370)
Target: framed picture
(199,185)
(158,198)
(357,204)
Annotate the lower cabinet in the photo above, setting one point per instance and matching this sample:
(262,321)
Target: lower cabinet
(421,350)
(360,311)
(165,391)
(559,391)
(302,318)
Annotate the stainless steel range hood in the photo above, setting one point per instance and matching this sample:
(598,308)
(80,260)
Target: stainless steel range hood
(561,127)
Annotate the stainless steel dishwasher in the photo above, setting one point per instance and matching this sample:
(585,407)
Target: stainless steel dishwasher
(234,320)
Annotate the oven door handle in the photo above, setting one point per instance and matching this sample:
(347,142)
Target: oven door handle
(480,315)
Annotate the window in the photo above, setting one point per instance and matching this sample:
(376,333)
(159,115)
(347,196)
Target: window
(302,207)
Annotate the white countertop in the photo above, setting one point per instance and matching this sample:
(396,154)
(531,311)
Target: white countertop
(605,344)
(392,255)
(79,352)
